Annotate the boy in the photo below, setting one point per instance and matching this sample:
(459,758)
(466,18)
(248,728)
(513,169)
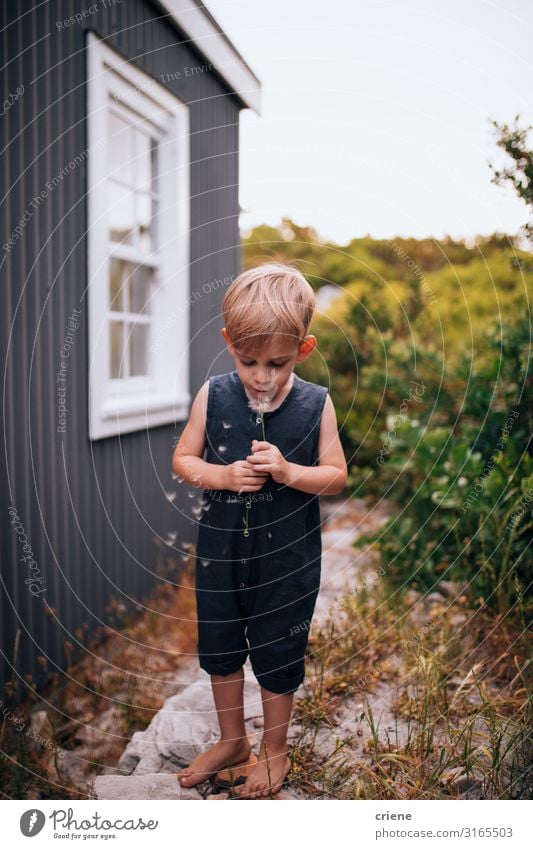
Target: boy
(258,556)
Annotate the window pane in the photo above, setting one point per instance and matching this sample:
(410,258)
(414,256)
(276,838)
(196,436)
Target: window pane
(144,222)
(139,286)
(120,149)
(121,214)
(117,364)
(118,273)
(144,161)
(139,334)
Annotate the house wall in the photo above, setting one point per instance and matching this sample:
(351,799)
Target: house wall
(92,514)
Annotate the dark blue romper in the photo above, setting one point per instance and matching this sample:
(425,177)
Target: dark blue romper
(258,592)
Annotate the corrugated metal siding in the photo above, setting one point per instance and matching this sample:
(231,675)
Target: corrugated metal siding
(90,511)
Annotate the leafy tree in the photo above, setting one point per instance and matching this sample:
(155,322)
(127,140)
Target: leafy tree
(513,140)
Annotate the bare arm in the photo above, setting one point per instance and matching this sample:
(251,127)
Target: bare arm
(328,478)
(187,458)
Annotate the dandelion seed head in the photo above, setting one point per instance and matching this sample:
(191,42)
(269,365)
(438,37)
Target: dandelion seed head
(226,425)
(205,562)
(170,496)
(259,405)
(222,449)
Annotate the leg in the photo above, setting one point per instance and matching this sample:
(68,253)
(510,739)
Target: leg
(270,772)
(233,746)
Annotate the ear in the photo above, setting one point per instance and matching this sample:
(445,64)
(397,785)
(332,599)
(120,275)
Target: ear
(306,346)
(227,339)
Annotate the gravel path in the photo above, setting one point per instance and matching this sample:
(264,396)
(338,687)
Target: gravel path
(187,722)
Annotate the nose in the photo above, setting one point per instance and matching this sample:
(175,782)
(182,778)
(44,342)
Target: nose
(264,376)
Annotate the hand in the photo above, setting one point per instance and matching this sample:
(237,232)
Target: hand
(241,476)
(268,458)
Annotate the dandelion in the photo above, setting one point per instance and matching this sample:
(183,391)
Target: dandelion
(259,407)
(170,496)
(171,538)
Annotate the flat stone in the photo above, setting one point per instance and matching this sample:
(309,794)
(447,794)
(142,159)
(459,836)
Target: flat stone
(288,795)
(185,726)
(452,589)
(435,598)
(151,786)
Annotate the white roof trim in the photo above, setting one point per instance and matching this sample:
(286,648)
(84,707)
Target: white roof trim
(226,60)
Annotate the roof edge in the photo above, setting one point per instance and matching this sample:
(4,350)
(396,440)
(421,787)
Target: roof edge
(197,22)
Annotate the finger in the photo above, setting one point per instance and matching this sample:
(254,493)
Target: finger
(254,459)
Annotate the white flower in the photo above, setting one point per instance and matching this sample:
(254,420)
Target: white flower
(259,405)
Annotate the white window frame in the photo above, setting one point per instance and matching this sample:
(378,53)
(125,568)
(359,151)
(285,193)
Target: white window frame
(123,406)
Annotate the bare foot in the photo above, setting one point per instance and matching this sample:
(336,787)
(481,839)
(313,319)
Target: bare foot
(266,779)
(222,754)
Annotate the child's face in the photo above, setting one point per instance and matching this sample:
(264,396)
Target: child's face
(266,372)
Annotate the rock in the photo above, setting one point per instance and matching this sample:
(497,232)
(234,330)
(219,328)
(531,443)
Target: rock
(458,619)
(461,783)
(287,794)
(412,596)
(435,598)
(39,723)
(150,786)
(452,589)
(185,726)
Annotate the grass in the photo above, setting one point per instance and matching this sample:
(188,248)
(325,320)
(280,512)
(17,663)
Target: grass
(459,694)
(112,690)
(403,699)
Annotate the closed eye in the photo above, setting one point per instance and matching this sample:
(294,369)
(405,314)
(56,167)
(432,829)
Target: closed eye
(271,364)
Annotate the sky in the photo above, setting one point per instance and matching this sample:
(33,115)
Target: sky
(375,115)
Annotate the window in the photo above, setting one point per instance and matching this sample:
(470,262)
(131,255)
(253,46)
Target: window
(138,235)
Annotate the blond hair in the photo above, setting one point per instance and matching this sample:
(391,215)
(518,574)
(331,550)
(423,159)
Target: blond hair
(268,302)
